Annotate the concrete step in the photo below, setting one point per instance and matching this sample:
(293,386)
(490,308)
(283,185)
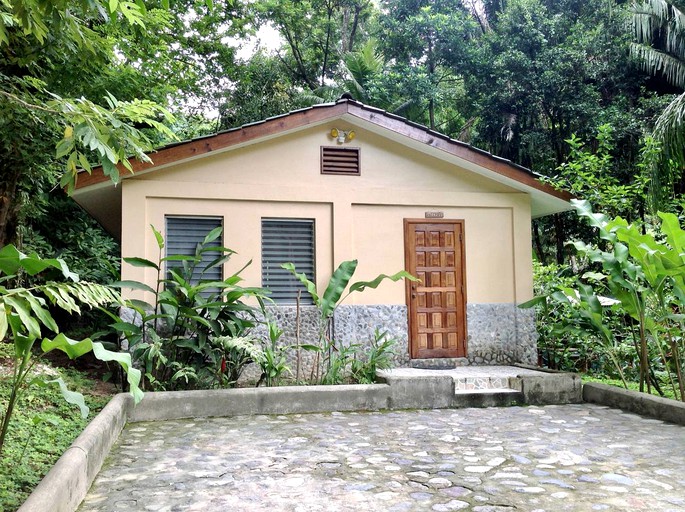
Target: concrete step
(472,383)
(438,364)
(492,397)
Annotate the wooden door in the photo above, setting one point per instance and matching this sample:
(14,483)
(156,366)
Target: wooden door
(434,252)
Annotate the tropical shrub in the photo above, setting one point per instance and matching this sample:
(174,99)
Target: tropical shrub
(333,358)
(43,426)
(273,361)
(26,319)
(195,332)
(378,356)
(562,343)
(645,273)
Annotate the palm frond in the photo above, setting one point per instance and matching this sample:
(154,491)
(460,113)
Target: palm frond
(365,63)
(659,63)
(324,94)
(649,16)
(670,130)
(661,25)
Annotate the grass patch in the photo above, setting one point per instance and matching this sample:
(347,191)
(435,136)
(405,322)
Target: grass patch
(42,428)
(633,386)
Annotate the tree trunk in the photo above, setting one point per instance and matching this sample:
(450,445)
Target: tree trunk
(538,243)
(560,237)
(431,74)
(327,46)
(8,207)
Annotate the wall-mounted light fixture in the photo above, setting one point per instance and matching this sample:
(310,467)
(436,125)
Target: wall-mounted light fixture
(342,136)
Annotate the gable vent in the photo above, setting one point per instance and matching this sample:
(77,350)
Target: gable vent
(337,160)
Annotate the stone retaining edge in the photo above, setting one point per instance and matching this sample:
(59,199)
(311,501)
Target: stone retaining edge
(640,403)
(172,405)
(67,483)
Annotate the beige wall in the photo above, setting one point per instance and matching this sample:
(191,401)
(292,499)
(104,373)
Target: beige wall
(356,217)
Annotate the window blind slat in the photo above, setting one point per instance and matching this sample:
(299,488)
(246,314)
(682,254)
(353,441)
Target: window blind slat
(283,241)
(183,234)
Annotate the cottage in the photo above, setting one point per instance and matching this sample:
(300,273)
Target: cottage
(341,181)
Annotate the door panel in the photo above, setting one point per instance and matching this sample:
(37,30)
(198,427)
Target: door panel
(434,252)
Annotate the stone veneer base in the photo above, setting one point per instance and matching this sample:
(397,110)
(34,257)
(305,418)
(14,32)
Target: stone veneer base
(498,334)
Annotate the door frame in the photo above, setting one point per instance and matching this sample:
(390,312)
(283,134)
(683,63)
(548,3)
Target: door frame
(461,309)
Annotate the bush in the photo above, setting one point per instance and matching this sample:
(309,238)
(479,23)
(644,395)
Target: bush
(195,333)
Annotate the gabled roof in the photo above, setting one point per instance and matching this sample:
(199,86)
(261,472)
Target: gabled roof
(95,189)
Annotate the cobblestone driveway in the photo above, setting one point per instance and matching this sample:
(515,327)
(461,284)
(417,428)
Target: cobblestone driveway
(571,457)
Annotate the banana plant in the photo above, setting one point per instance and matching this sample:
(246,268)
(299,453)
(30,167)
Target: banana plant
(645,272)
(334,294)
(25,320)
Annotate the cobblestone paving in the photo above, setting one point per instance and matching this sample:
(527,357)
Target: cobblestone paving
(555,458)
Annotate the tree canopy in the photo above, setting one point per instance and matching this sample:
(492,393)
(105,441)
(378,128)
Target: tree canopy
(91,82)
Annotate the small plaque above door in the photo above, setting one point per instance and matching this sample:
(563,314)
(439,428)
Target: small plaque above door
(435,215)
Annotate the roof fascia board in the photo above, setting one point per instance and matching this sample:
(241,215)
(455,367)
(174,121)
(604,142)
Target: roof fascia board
(444,148)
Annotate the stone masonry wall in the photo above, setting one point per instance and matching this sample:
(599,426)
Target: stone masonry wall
(351,325)
(498,334)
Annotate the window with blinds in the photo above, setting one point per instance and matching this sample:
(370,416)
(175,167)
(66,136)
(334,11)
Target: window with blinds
(283,241)
(183,234)
(341,161)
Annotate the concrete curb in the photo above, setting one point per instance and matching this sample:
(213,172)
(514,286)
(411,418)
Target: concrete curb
(633,401)
(420,392)
(67,483)
(171,405)
(549,388)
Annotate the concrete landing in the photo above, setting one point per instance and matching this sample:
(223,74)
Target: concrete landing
(469,377)
(486,386)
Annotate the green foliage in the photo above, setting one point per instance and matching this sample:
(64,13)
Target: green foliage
(317,34)
(232,354)
(378,356)
(335,358)
(545,70)
(645,273)
(49,48)
(428,44)
(57,226)
(262,89)
(658,49)
(633,386)
(25,318)
(194,334)
(562,343)
(658,32)
(589,173)
(42,428)
(272,360)
(363,67)
(340,279)
(107,133)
